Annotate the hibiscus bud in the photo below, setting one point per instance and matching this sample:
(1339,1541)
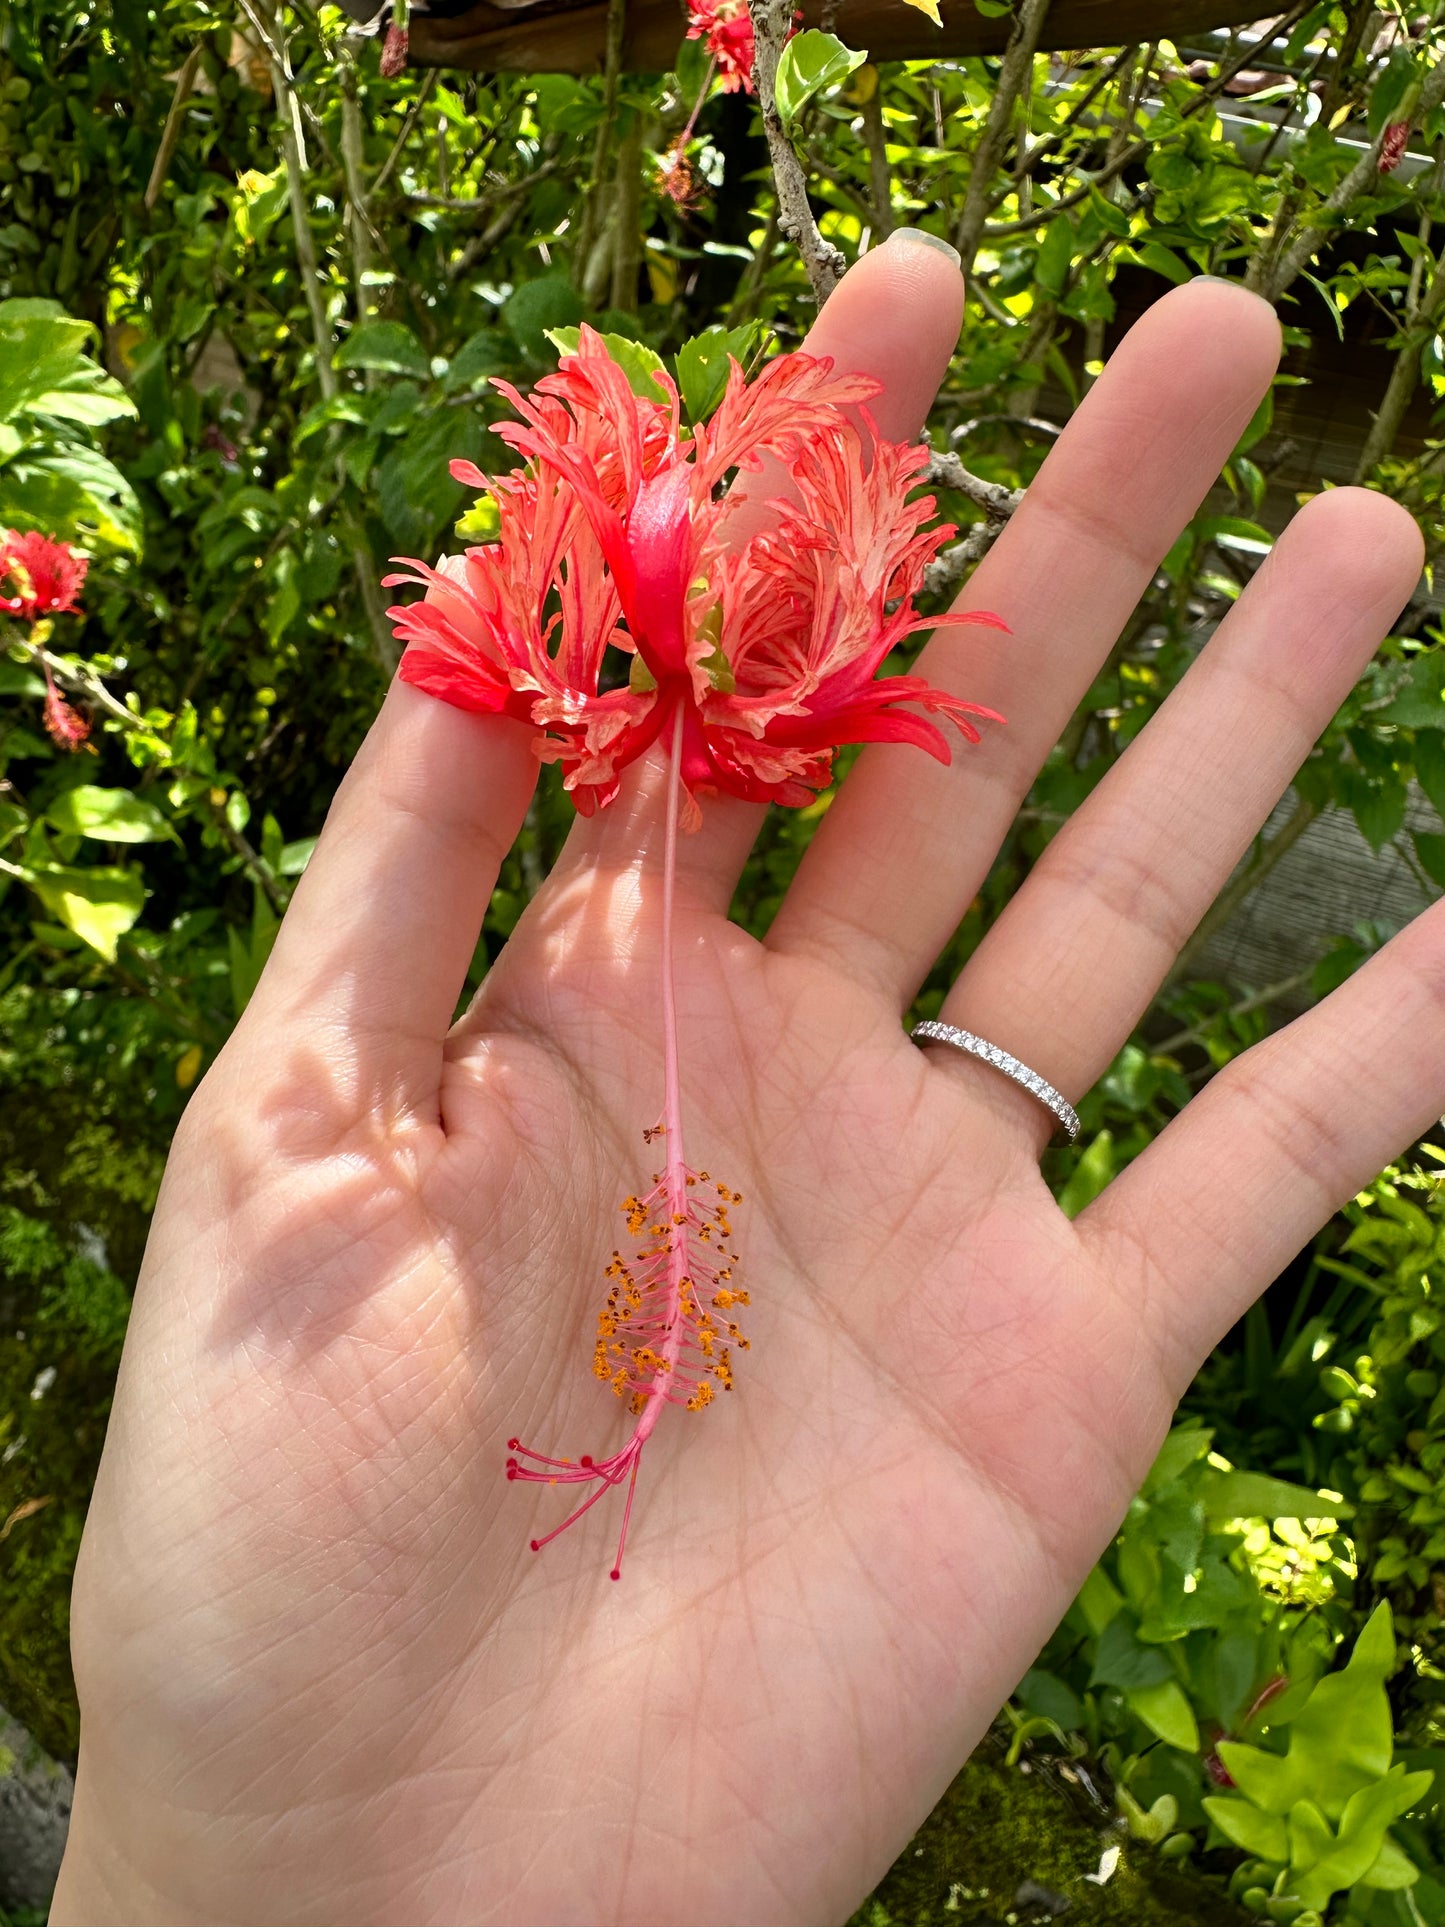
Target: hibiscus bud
(1392,147)
(66,727)
(393,52)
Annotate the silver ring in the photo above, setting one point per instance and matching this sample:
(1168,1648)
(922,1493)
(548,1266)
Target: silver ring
(1035,1085)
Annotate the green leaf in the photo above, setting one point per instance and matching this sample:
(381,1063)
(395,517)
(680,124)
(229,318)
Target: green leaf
(99,905)
(636,360)
(1391,1870)
(1421,701)
(1430,767)
(1047,1695)
(388,346)
(414,486)
(1332,1861)
(1390,89)
(1056,253)
(1379,809)
(1340,1740)
(111,816)
(37,353)
(1262,1834)
(810,62)
(1165,1710)
(702,365)
(1185,1446)
(295,856)
(1099,1600)
(537,306)
(1089,1176)
(1430,848)
(1253,1495)
(1161,260)
(488,352)
(1123,1660)
(67,489)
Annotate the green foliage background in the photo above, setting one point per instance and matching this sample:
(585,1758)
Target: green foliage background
(296,280)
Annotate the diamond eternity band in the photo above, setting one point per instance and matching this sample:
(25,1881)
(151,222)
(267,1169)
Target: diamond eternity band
(980,1047)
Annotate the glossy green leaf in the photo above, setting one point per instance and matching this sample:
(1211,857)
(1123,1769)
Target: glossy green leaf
(703,363)
(1339,1742)
(1165,1710)
(1247,1826)
(110,816)
(810,62)
(1253,1495)
(98,905)
(389,347)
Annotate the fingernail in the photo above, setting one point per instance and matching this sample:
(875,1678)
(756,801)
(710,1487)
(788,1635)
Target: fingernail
(919,237)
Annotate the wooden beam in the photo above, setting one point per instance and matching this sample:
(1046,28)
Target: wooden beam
(553,36)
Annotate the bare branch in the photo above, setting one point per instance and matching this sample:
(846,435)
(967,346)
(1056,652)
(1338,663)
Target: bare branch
(824,263)
(171,132)
(1014,75)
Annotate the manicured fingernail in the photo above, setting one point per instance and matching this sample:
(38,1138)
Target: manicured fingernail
(919,237)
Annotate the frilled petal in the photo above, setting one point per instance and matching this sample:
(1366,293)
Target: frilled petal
(615,537)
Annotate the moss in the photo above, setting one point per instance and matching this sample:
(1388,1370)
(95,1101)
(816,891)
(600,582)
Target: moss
(998,1831)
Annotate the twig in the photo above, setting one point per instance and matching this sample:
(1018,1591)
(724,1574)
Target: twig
(945,470)
(171,132)
(1032,154)
(772,20)
(413,114)
(587,227)
(1256,1000)
(880,181)
(1015,72)
(353,161)
(495,195)
(944,575)
(1418,326)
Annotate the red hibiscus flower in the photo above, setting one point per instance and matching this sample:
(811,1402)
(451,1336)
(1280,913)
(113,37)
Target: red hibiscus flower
(726,27)
(617,534)
(38,576)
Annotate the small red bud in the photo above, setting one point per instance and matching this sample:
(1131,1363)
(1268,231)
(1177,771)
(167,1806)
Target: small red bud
(1392,147)
(393,52)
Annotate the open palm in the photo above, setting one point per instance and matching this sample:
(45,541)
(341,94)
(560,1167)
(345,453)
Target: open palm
(322,1677)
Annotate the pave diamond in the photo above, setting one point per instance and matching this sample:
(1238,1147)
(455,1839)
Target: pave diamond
(1036,1086)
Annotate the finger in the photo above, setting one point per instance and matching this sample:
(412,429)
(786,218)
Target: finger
(907,843)
(374,948)
(1072,964)
(895,316)
(1219,1203)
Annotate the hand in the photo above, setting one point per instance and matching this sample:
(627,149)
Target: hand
(323,1679)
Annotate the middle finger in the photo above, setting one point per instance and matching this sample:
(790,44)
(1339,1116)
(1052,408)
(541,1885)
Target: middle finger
(907,843)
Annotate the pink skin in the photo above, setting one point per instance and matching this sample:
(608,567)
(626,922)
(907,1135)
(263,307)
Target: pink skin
(668,1318)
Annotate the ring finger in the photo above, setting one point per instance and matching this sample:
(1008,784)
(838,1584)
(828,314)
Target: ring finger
(1069,968)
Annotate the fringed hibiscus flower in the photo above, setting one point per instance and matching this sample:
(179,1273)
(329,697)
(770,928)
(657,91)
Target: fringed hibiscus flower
(616,536)
(38,576)
(750,657)
(726,29)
